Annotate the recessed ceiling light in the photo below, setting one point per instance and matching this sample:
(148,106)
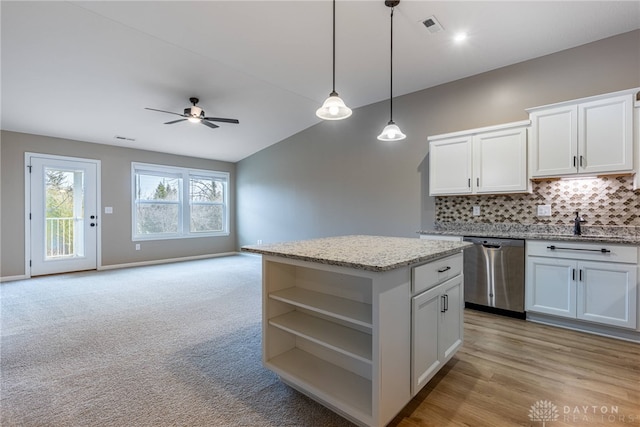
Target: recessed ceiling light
(460,37)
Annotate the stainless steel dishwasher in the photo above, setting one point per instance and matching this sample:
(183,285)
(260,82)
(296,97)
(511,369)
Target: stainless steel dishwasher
(494,275)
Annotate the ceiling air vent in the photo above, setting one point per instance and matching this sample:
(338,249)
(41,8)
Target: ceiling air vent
(432,25)
(124,138)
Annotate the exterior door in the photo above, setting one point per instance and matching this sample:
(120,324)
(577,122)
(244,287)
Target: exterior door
(64,214)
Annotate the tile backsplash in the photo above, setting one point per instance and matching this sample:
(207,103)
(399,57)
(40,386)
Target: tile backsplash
(603,201)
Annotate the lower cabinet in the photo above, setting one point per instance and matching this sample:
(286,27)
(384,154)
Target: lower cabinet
(598,285)
(436,330)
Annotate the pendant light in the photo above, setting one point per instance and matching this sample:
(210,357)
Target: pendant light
(391,131)
(333,107)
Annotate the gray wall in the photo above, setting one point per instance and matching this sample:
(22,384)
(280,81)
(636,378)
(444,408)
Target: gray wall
(117,247)
(337,178)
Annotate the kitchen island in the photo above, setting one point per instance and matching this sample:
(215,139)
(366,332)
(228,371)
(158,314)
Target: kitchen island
(361,323)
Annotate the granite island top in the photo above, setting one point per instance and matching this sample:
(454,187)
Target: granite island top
(373,253)
(591,234)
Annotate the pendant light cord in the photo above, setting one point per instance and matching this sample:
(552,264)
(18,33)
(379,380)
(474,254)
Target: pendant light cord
(334,47)
(391,72)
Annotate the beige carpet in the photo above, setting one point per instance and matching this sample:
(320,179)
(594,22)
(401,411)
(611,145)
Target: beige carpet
(167,345)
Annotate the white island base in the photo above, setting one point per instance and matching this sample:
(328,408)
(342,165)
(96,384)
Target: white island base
(343,335)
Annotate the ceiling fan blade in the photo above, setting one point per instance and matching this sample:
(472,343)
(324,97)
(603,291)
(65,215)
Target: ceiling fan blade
(162,111)
(219,119)
(211,125)
(174,121)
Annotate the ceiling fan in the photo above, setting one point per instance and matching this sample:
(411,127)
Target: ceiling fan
(196,115)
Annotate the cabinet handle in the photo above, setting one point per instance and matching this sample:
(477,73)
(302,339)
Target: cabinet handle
(580,274)
(581,161)
(574,161)
(573,274)
(443,269)
(469,182)
(477,182)
(444,303)
(554,248)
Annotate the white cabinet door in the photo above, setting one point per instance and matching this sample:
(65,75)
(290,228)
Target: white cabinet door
(607,293)
(500,161)
(551,286)
(554,141)
(605,135)
(451,327)
(425,360)
(436,330)
(450,166)
(582,138)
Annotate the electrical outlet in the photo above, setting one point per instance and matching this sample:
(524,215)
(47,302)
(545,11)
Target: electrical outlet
(137,246)
(259,241)
(476,210)
(544,210)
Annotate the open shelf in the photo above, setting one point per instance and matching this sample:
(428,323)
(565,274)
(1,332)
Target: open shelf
(340,308)
(340,338)
(336,386)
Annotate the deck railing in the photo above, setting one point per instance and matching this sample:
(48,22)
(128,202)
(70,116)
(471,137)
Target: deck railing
(59,237)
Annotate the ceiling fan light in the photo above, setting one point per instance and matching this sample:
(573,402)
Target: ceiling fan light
(391,132)
(333,108)
(195,114)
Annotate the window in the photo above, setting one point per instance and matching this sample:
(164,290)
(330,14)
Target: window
(171,202)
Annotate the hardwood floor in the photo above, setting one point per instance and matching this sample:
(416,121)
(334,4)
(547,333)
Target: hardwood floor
(508,371)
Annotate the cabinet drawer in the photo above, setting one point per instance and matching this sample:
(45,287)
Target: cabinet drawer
(429,275)
(584,251)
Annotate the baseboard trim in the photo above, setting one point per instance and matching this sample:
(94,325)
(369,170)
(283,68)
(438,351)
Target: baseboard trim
(575,325)
(164,261)
(12,278)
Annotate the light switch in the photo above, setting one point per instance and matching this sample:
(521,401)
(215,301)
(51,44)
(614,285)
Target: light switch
(476,210)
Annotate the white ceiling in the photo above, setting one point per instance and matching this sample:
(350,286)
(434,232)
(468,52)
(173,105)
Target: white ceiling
(86,70)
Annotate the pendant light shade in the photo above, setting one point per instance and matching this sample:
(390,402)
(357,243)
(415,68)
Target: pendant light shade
(333,107)
(391,131)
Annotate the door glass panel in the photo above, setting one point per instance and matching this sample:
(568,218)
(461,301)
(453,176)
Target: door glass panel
(64,214)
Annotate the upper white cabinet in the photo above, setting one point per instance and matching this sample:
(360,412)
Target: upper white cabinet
(583,137)
(480,161)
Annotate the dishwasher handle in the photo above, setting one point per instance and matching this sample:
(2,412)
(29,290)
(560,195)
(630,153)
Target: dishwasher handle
(490,246)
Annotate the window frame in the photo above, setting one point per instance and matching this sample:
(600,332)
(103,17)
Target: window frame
(184,200)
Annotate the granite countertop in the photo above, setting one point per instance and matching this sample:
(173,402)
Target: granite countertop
(590,234)
(372,253)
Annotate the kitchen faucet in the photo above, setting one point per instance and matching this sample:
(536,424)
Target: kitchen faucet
(576,224)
